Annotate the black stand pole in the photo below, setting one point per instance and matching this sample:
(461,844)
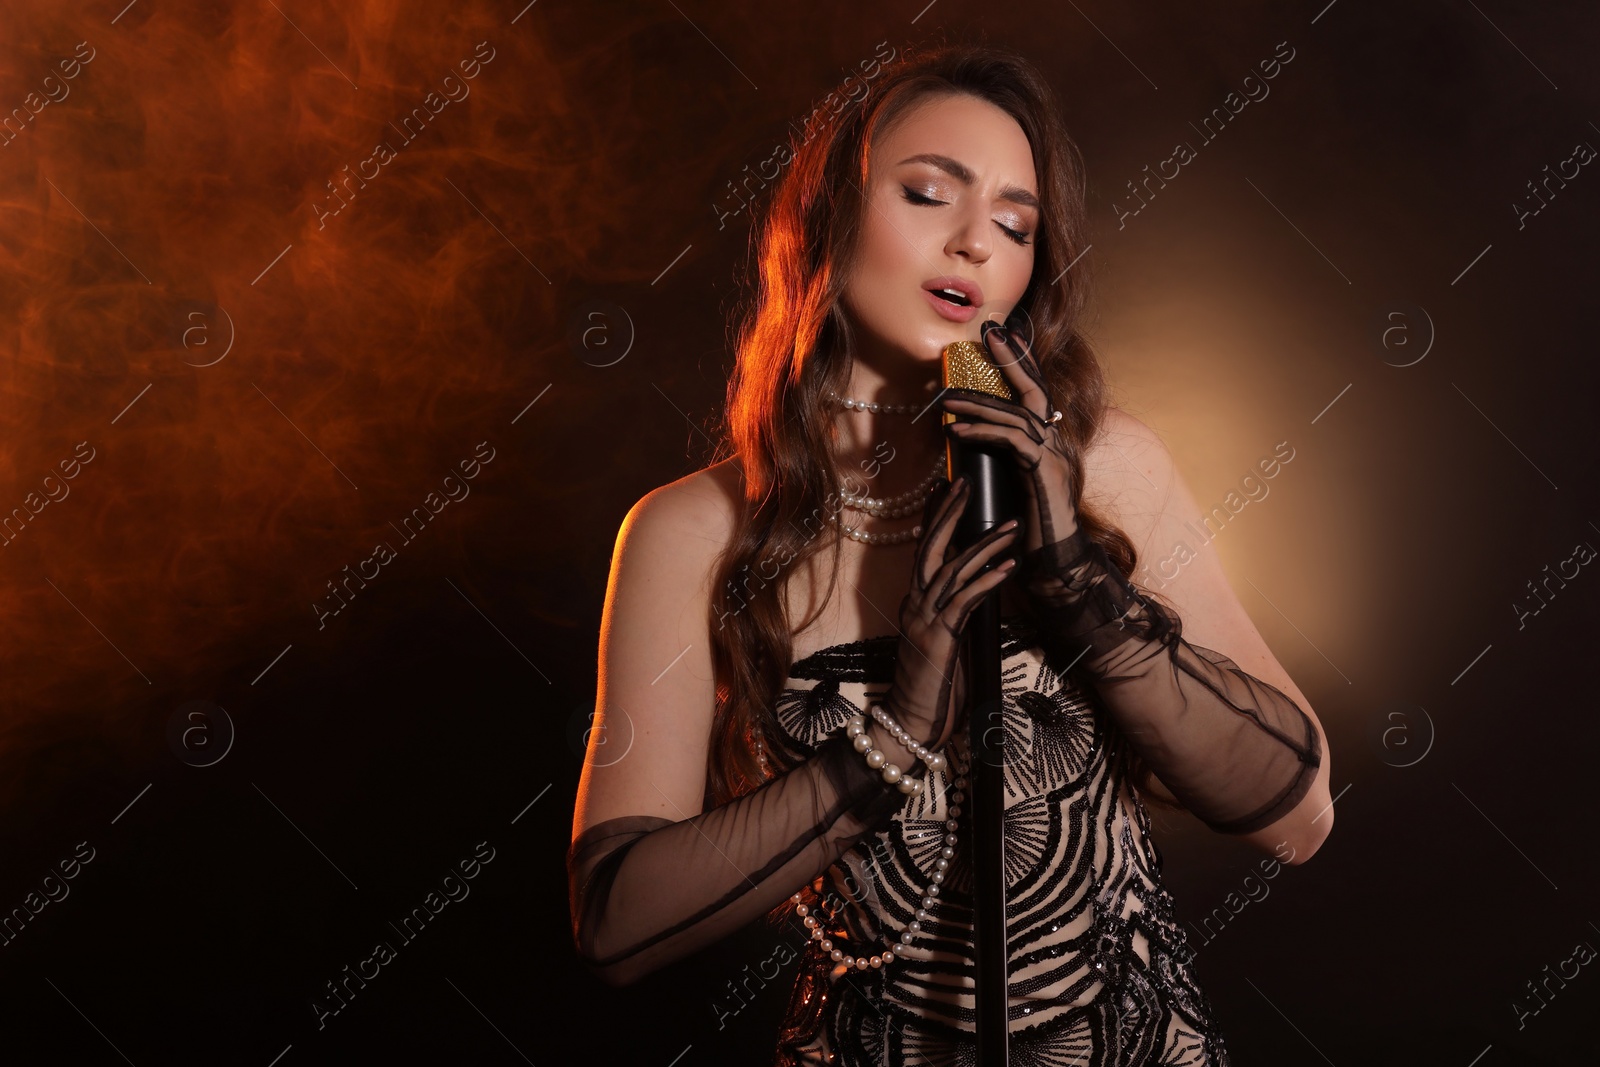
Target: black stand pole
(995,498)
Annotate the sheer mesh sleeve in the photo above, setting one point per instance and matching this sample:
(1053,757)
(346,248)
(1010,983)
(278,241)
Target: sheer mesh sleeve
(645,891)
(1237,752)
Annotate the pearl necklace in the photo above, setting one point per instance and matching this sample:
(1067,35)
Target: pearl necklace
(855,533)
(906,503)
(910,502)
(873,406)
(930,896)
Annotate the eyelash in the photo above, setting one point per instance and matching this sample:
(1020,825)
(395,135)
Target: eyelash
(915,197)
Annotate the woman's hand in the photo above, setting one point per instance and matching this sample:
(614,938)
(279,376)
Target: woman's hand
(927,685)
(1023,426)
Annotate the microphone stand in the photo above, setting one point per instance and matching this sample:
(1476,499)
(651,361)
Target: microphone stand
(995,498)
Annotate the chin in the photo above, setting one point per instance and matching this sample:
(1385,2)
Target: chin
(954,332)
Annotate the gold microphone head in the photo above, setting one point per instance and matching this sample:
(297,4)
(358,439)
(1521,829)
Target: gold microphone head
(966,365)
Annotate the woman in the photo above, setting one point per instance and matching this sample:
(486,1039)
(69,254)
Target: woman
(729,776)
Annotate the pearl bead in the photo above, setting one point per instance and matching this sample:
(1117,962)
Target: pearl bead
(891,774)
(875,758)
(862,743)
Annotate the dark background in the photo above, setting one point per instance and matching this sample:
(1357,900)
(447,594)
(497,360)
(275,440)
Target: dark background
(449,303)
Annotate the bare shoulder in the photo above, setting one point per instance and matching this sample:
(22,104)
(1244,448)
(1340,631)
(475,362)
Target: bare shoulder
(649,743)
(695,514)
(666,548)
(717,491)
(1128,474)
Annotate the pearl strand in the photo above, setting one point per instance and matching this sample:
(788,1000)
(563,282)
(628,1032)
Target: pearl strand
(855,533)
(930,896)
(877,759)
(934,761)
(905,503)
(856,730)
(873,406)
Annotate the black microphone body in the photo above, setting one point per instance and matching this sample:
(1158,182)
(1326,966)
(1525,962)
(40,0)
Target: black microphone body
(991,475)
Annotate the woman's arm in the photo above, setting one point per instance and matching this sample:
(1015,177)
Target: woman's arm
(651,876)
(646,891)
(1234,747)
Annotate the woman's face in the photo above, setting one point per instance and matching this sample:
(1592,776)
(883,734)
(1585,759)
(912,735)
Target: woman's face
(973,162)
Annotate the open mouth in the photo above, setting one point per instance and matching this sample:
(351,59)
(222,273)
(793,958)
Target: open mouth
(954,296)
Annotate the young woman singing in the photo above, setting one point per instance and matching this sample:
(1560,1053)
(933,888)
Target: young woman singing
(780,717)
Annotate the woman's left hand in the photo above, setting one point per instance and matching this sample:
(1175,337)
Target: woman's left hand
(1024,427)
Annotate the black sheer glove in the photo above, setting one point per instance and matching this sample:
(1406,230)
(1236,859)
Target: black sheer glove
(928,693)
(1237,752)
(645,891)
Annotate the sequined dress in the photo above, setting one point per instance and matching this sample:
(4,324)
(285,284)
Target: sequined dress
(1100,973)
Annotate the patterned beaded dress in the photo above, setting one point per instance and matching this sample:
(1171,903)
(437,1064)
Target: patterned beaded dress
(1100,973)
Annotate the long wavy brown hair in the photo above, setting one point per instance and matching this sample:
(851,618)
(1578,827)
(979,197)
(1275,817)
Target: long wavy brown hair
(794,344)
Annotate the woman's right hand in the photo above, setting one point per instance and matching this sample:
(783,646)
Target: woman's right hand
(933,615)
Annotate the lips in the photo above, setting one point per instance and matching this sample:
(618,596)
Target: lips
(969,289)
(954,310)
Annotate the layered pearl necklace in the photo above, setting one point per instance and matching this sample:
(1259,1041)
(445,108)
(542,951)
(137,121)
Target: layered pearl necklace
(910,502)
(959,764)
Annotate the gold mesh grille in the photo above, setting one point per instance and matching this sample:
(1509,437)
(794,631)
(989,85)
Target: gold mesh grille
(967,366)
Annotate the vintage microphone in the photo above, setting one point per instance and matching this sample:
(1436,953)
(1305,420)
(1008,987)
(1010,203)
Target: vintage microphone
(996,497)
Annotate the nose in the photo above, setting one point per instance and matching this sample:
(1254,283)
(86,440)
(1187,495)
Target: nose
(970,238)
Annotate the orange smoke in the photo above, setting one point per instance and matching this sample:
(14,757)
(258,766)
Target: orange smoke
(271,271)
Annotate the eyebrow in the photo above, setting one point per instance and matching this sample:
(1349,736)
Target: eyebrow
(962,173)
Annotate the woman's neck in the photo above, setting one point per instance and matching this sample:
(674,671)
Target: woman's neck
(883,454)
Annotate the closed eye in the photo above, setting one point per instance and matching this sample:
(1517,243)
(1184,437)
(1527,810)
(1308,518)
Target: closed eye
(914,197)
